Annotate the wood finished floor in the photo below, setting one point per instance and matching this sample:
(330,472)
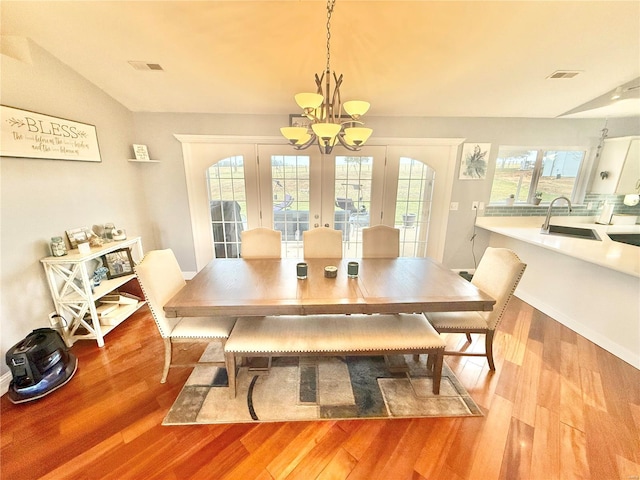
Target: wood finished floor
(558,407)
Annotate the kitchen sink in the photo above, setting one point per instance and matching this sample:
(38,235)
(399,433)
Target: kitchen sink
(628,238)
(575,232)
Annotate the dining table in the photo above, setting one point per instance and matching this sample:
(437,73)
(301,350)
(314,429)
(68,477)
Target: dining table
(259,287)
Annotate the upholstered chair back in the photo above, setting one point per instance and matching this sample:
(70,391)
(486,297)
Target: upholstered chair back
(322,242)
(498,275)
(160,278)
(261,243)
(380,241)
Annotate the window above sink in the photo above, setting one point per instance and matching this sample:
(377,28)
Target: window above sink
(522,172)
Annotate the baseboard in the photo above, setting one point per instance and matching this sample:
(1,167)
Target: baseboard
(632,358)
(5,380)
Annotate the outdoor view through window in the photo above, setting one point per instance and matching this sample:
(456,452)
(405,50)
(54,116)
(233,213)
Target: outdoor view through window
(527,174)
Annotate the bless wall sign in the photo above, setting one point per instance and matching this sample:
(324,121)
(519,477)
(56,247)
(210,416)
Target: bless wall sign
(34,135)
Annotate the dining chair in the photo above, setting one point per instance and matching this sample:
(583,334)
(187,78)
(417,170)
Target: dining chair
(497,275)
(160,278)
(322,242)
(380,241)
(261,243)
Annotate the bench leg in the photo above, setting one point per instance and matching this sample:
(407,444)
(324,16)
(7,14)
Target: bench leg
(437,370)
(230,361)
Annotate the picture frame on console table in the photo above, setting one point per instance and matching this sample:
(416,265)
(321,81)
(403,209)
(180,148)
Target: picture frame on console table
(118,263)
(76,235)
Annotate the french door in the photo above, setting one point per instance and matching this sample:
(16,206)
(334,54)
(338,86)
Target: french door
(304,190)
(294,191)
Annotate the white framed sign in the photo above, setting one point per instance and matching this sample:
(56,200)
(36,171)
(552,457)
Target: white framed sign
(28,134)
(141,152)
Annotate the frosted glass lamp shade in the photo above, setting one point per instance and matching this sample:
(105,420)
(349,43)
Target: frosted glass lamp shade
(326,130)
(309,101)
(304,139)
(356,108)
(357,135)
(294,134)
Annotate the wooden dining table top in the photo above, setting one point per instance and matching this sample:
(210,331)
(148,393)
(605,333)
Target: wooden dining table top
(257,287)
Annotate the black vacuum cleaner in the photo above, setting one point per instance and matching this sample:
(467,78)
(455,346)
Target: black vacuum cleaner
(40,364)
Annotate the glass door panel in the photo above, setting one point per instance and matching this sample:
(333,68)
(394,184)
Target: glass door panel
(290,186)
(413,206)
(227,205)
(290,193)
(353,185)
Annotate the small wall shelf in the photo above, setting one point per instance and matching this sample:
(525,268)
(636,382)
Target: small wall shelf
(144,161)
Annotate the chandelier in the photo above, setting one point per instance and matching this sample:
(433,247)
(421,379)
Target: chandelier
(324,110)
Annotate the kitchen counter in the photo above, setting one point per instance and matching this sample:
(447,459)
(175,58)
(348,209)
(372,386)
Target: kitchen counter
(606,253)
(590,286)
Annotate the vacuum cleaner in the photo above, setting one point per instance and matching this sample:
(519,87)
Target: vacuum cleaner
(40,364)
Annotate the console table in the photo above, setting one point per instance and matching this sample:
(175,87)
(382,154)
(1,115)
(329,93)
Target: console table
(75,297)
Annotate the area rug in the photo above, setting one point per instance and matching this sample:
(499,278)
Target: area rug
(320,388)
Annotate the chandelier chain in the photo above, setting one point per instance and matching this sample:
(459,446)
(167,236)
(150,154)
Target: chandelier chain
(328,126)
(330,5)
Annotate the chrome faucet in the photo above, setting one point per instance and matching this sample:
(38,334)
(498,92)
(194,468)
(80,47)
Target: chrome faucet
(545,225)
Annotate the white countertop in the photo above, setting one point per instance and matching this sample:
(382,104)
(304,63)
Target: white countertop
(606,253)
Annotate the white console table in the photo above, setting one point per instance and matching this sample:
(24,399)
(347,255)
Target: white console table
(75,296)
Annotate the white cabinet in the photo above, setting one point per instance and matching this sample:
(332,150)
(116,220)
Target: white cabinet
(75,297)
(619,165)
(630,175)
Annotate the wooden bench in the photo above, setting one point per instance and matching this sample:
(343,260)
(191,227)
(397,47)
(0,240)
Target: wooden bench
(301,335)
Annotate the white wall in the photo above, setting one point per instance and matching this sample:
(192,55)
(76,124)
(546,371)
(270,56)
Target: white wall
(43,198)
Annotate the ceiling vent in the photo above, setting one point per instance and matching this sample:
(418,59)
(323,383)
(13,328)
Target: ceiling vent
(564,74)
(146,66)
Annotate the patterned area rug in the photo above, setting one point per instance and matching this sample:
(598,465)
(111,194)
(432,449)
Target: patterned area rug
(320,388)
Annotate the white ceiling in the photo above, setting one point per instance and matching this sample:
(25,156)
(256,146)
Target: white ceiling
(408,58)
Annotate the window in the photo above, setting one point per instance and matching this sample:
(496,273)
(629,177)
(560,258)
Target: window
(524,172)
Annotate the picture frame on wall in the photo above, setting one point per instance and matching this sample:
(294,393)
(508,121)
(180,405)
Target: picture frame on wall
(474,161)
(26,134)
(118,263)
(299,120)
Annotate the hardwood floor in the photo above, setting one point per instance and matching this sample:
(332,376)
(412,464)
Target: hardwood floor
(557,406)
